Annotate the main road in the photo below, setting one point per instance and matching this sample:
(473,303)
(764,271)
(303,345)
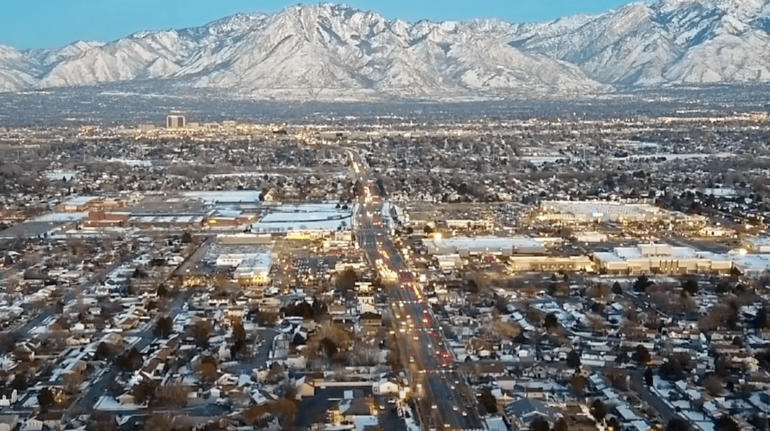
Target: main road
(445,400)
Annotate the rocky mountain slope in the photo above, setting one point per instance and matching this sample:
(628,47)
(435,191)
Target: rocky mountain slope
(333,51)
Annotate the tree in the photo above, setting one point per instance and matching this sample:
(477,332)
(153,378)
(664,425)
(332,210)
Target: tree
(561,425)
(427,229)
(726,423)
(71,382)
(598,291)
(208,373)
(613,424)
(648,377)
(573,359)
(159,422)
(103,352)
(642,355)
(46,399)
(540,424)
(578,383)
(164,326)
(20,382)
(551,323)
(761,320)
(329,347)
(738,341)
(642,283)
(162,291)
(618,378)
(102,421)
(676,366)
(690,286)
(171,396)
(488,401)
(143,392)
(130,361)
(598,411)
(7,342)
(597,323)
(187,238)
(713,385)
(617,289)
(678,424)
(346,280)
(201,331)
(239,333)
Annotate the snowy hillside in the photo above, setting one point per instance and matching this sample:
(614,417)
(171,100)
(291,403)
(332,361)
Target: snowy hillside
(333,51)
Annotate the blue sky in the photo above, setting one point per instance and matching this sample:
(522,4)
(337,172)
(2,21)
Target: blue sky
(49,23)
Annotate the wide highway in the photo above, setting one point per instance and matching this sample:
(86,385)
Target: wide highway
(446,402)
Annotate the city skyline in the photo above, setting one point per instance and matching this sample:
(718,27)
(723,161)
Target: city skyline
(50,24)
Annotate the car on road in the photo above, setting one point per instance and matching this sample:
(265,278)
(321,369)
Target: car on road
(434,407)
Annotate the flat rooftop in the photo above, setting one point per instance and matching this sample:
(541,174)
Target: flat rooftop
(752,262)
(484,243)
(255,263)
(224,196)
(59,217)
(324,217)
(598,208)
(79,200)
(657,251)
(759,241)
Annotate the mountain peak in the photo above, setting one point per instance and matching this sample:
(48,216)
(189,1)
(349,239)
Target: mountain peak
(741,8)
(330,50)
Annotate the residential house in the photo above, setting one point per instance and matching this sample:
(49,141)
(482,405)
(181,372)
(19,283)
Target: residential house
(8,422)
(8,397)
(522,413)
(385,387)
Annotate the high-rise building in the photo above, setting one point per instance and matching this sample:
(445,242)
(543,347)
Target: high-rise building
(175,121)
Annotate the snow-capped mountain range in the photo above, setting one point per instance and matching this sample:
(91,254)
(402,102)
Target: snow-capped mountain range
(334,51)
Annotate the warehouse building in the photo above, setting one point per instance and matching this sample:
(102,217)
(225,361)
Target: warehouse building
(759,244)
(487,245)
(550,264)
(584,212)
(662,259)
(251,269)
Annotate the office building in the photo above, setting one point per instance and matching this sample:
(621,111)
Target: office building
(176,121)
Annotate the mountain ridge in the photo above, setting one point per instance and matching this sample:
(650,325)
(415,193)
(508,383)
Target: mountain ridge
(331,50)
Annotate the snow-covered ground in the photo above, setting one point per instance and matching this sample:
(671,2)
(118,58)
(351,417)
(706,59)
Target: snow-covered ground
(325,52)
(60,217)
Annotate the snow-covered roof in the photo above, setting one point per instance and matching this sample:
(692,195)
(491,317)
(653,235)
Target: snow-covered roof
(310,217)
(213,197)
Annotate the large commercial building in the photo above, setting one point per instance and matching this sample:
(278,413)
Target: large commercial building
(662,259)
(751,265)
(550,264)
(585,212)
(251,269)
(760,244)
(308,222)
(487,245)
(176,121)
